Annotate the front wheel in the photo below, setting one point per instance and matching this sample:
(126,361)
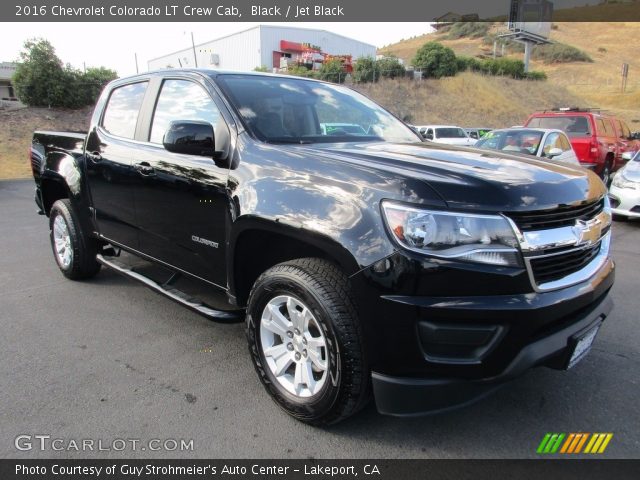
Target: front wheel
(306,342)
(75,252)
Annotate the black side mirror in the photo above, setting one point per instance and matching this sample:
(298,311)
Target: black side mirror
(190,138)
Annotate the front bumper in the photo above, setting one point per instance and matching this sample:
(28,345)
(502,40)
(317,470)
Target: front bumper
(625,201)
(410,396)
(441,336)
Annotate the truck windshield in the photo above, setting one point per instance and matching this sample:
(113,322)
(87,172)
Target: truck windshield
(295,110)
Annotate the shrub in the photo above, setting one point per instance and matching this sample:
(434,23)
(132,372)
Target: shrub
(435,60)
(467,29)
(365,69)
(332,71)
(536,75)
(262,68)
(503,66)
(41,80)
(390,67)
(559,53)
(468,63)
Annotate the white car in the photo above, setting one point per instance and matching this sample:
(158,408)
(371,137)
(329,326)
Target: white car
(449,134)
(541,142)
(625,188)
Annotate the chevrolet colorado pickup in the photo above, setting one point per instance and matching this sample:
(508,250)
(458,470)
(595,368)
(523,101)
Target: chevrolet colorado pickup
(363,262)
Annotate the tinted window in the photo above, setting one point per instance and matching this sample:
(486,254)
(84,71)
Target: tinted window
(572,125)
(181,100)
(450,133)
(608,128)
(121,114)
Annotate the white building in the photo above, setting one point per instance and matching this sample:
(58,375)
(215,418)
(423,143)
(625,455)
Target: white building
(263,46)
(7,69)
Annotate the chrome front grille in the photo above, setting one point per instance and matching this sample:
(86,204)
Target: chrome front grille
(565,246)
(558,217)
(548,268)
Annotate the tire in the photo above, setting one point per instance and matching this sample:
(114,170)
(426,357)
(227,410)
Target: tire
(320,293)
(74,251)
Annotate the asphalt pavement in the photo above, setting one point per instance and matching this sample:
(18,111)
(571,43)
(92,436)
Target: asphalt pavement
(109,359)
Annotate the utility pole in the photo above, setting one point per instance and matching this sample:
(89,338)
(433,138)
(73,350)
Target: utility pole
(195,58)
(136,57)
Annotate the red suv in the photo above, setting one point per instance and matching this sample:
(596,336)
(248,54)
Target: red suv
(599,140)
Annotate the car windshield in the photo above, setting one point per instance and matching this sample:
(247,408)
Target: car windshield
(450,132)
(572,125)
(517,141)
(295,110)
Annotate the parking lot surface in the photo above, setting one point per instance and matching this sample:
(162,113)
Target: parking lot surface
(109,359)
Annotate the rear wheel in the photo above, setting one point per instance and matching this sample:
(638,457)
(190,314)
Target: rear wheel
(75,252)
(306,342)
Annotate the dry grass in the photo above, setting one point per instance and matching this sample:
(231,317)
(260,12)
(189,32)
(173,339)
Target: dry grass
(609,44)
(468,99)
(16,129)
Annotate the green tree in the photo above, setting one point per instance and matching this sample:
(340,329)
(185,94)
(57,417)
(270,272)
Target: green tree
(332,71)
(42,80)
(435,60)
(365,69)
(390,67)
(40,76)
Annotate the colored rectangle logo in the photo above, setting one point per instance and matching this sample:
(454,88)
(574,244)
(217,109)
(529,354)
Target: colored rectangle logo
(574,443)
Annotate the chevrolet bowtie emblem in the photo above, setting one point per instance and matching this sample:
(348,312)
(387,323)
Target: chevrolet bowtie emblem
(587,233)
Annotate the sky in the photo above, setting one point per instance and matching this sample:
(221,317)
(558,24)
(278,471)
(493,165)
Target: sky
(114,45)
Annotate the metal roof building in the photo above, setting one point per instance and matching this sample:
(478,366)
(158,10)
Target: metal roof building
(267,46)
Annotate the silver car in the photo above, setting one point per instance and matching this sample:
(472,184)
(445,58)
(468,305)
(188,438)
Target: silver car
(546,143)
(625,188)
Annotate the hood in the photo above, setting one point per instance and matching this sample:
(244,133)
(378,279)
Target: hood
(631,171)
(472,179)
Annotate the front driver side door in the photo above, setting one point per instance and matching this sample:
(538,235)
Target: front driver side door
(181,200)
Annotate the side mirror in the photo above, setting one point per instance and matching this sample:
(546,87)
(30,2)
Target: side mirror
(190,138)
(554,152)
(626,156)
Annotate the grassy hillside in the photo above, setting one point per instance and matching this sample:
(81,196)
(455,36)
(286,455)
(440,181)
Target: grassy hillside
(468,99)
(594,84)
(16,129)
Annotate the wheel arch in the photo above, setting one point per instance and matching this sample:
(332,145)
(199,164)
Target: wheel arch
(258,245)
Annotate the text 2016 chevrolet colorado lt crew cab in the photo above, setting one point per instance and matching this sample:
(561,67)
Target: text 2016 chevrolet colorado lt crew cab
(366,262)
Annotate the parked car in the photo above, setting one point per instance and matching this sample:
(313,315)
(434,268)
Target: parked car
(375,263)
(625,188)
(449,134)
(592,134)
(477,133)
(541,142)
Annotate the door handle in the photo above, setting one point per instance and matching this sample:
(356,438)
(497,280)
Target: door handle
(144,168)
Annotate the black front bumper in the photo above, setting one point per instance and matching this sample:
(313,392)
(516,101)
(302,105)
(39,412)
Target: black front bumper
(412,396)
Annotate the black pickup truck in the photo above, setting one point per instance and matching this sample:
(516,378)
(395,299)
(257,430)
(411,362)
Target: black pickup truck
(363,260)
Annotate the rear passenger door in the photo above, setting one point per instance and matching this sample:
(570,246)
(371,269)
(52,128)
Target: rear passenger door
(110,149)
(181,200)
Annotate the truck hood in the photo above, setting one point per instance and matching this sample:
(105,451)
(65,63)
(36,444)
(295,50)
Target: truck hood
(473,179)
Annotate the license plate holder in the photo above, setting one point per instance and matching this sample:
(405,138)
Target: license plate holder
(581,345)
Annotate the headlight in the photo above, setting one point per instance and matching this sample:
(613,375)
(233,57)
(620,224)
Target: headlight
(474,238)
(621,181)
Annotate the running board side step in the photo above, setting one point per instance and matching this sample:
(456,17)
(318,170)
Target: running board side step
(173,293)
